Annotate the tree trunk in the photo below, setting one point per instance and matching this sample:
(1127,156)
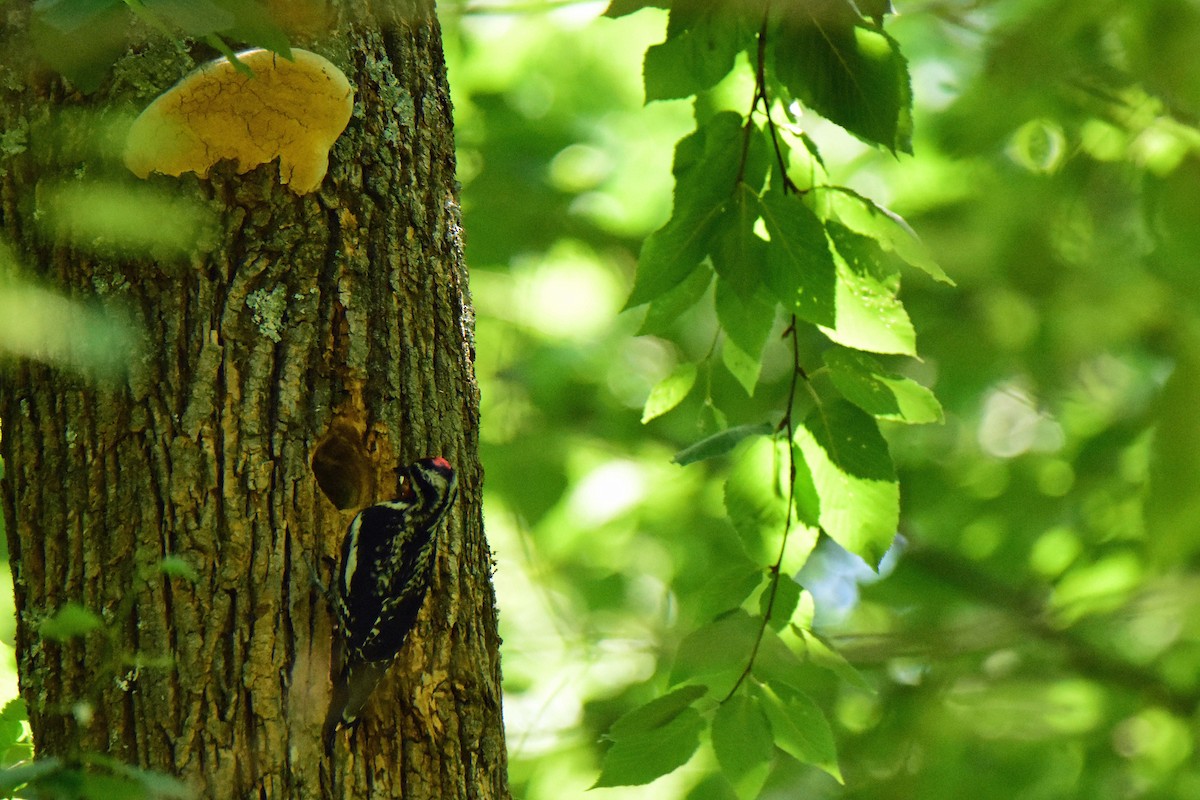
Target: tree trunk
(283,367)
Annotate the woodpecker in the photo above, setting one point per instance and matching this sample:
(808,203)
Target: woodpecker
(385,571)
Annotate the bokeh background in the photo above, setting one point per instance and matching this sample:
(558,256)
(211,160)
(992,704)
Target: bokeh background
(1034,632)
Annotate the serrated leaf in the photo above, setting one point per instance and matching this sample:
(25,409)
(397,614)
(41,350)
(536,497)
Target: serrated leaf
(888,228)
(786,598)
(854,478)
(869,315)
(667,307)
(755,497)
(864,382)
(738,254)
(658,712)
(705,167)
(640,757)
(741,739)
(775,664)
(672,253)
(11,717)
(669,392)
(800,729)
(852,75)
(800,268)
(703,38)
(747,320)
(825,657)
(717,653)
(720,443)
(70,621)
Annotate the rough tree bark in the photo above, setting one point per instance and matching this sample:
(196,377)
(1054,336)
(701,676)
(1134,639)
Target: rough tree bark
(284,369)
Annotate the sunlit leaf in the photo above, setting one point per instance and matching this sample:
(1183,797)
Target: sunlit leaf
(854,478)
(668,306)
(888,228)
(747,321)
(800,729)
(705,166)
(670,391)
(653,740)
(657,713)
(717,653)
(848,73)
(739,255)
(742,741)
(869,314)
(864,382)
(800,269)
(703,38)
(720,443)
(755,494)
(783,601)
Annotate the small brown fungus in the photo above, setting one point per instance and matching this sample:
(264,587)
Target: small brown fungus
(291,109)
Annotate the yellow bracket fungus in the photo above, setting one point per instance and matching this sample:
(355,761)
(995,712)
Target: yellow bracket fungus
(291,109)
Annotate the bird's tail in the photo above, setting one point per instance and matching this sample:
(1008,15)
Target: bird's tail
(353,686)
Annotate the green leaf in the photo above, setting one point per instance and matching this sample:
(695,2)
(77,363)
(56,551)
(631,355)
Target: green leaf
(619,8)
(800,269)
(889,229)
(717,653)
(253,24)
(667,307)
(194,17)
(787,597)
(720,443)
(658,712)
(703,38)
(81,42)
(869,315)
(825,657)
(864,382)
(776,664)
(743,366)
(706,163)
(672,253)
(69,16)
(11,717)
(653,740)
(800,729)
(746,321)
(178,567)
(755,495)
(854,478)
(739,255)
(742,741)
(852,75)
(70,621)
(669,392)
(19,775)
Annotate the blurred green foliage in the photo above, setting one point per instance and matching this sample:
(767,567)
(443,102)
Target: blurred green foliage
(1033,634)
